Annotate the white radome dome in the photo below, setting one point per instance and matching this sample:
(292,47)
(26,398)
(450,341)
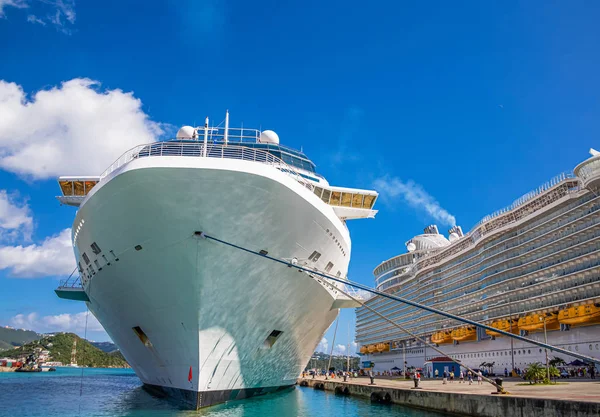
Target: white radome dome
(268,136)
(186,132)
(411,247)
(453,237)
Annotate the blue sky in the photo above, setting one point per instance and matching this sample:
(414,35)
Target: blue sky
(454,109)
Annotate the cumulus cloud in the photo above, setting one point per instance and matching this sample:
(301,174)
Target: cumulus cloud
(323,346)
(15,217)
(392,189)
(58,323)
(72,129)
(52,257)
(339,349)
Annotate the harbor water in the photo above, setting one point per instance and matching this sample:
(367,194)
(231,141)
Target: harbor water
(118,392)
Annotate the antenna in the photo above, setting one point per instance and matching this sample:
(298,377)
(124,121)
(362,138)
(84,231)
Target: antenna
(205,136)
(226,135)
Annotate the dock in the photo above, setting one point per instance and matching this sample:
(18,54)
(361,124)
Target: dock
(569,398)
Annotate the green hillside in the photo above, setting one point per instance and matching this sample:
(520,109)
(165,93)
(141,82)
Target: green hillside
(60,347)
(9,338)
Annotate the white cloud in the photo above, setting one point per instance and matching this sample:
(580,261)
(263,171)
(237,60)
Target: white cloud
(323,346)
(415,196)
(339,349)
(53,257)
(58,323)
(73,129)
(34,19)
(15,217)
(19,4)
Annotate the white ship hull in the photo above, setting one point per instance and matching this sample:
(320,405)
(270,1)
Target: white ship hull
(207,309)
(584,340)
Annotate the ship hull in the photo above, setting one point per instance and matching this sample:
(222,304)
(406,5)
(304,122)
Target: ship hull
(198,320)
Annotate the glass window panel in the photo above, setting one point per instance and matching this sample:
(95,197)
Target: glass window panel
(318,191)
(357,200)
(326,195)
(89,185)
(78,187)
(335,198)
(368,202)
(346,199)
(66,187)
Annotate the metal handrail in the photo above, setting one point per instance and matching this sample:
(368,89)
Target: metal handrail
(70,282)
(220,151)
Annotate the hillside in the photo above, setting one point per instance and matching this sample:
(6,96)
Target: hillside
(9,338)
(320,360)
(107,347)
(60,347)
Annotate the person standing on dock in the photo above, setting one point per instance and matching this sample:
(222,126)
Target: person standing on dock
(444,377)
(470,377)
(372,376)
(479,378)
(505,373)
(436,373)
(461,377)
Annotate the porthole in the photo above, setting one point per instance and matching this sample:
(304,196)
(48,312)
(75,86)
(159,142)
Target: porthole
(596,346)
(577,348)
(540,350)
(528,351)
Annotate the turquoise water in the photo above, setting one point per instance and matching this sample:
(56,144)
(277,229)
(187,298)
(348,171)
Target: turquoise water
(117,392)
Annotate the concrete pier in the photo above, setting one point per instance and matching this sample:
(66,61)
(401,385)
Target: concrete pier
(568,399)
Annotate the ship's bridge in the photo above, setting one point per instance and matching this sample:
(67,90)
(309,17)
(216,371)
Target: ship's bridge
(589,170)
(75,189)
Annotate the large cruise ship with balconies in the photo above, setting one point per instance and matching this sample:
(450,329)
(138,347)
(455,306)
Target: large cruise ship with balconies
(530,266)
(196,318)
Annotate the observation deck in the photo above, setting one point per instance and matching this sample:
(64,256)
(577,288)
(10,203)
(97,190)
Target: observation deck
(589,170)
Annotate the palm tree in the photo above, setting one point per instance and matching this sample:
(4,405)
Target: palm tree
(556,362)
(535,372)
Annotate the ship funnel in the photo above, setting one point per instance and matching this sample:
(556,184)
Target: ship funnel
(432,230)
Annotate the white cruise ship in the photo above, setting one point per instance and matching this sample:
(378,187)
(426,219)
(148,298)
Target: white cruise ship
(195,318)
(535,262)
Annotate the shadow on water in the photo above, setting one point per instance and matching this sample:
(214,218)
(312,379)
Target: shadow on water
(115,393)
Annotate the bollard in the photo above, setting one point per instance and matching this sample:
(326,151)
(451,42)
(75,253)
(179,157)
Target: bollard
(345,377)
(499,389)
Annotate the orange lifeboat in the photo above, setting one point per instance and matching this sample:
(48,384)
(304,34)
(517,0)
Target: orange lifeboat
(383,347)
(442,338)
(580,316)
(464,334)
(363,350)
(535,322)
(371,348)
(506,325)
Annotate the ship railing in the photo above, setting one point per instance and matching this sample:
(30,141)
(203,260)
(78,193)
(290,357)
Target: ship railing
(213,150)
(529,196)
(73,281)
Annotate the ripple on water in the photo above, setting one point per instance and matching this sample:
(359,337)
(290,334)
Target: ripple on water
(115,392)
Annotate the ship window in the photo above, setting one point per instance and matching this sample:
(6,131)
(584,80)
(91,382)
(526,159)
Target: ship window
(357,200)
(314,256)
(272,338)
(79,267)
(142,336)
(86,258)
(346,199)
(89,185)
(318,191)
(66,187)
(326,195)
(79,188)
(95,248)
(335,198)
(368,202)
(328,267)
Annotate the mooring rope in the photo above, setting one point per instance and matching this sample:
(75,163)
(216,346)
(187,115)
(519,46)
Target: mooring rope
(406,301)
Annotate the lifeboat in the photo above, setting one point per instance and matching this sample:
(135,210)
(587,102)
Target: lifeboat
(364,350)
(507,325)
(580,316)
(464,334)
(535,322)
(441,338)
(383,347)
(371,348)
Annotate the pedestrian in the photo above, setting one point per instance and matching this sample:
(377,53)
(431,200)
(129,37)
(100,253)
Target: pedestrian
(452,376)
(479,378)
(505,373)
(593,372)
(470,377)
(436,373)
(372,376)
(461,377)
(445,377)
